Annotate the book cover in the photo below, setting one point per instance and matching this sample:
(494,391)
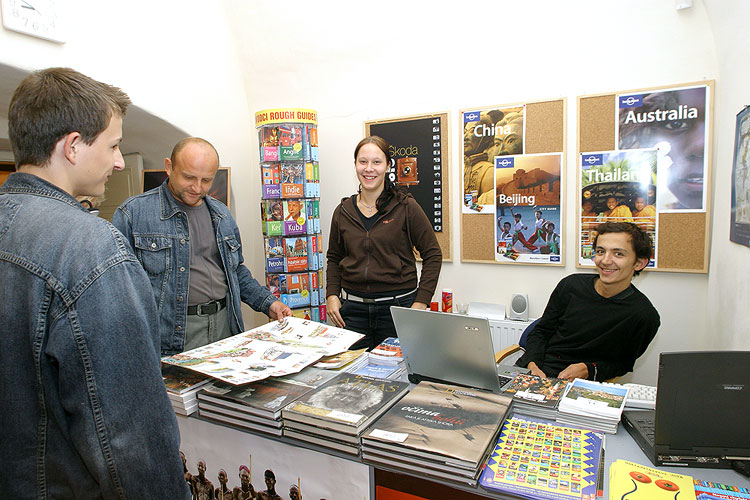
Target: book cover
(303,313)
(379,371)
(314,296)
(272,212)
(544,461)
(269,149)
(295,217)
(266,397)
(295,252)
(274,254)
(639,482)
(348,400)
(292,180)
(389,348)
(587,397)
(179,381)
(710,490)
(272,281)
(444,420)
(271,174)
(339,360)
(290,142)
(295,289)
(310,376)
(538,391)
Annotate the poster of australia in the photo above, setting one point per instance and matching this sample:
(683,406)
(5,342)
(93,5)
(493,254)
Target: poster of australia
(527,209)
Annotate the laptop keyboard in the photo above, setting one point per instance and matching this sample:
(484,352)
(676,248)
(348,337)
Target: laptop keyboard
(647,426)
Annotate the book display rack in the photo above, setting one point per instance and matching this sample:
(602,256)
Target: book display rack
(290,209)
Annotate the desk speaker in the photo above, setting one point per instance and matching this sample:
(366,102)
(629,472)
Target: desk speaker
(519,307)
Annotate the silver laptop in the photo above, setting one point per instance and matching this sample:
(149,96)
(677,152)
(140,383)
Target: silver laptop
(450,348)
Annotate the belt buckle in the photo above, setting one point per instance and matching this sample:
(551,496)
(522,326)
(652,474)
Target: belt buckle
(207,308)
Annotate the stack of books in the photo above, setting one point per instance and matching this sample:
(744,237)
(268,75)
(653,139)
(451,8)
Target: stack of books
(387,352)
(536,396)
(438,430)
(374,368)
(335,414)
(257,406)
(182,386)
(594,405)
(544,461)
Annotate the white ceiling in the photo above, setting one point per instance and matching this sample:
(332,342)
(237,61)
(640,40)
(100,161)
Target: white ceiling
(143,132)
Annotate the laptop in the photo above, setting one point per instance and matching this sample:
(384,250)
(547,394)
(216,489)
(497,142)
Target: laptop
(450,348)
(701,413)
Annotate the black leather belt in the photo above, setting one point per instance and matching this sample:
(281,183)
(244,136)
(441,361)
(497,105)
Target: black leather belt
(208,308)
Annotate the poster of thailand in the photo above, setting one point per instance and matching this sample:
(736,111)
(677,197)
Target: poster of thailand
(527,209)
(617,186)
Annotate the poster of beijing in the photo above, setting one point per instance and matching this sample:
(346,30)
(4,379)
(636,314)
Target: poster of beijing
(617,186)
(527,209)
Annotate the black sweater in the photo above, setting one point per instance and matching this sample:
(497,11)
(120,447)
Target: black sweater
(579,325)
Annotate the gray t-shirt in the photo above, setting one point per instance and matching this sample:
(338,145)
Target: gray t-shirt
(207,279)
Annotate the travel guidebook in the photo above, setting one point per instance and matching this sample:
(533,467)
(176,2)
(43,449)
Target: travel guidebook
(638,482)
(544,462)
(617,186)
(527,208)
(442,423)
(271,350)
(536,396)
(265,398)
(346,403)
(596,405)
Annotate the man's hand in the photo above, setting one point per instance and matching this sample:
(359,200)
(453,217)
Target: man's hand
(535,370)
(279,310)
(419,305)
(576,370)
(333,305)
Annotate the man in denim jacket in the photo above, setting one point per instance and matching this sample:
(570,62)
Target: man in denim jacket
(83,410)
(190,247)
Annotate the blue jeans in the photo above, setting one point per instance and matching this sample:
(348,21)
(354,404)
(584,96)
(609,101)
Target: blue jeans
(374,320)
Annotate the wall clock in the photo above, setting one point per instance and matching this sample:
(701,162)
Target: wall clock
(33,17)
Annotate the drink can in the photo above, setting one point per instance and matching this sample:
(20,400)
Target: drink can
(447,300)
(434,306)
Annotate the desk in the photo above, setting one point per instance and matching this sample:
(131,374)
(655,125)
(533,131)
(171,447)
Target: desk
(337,476)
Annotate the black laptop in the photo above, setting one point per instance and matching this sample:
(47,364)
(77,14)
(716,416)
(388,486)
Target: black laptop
(702,413)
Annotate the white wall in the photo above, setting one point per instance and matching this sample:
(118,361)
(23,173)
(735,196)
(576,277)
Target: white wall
(728,290)
(397,58)
(208,71)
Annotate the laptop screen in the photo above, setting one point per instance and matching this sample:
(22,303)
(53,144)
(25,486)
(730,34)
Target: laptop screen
(703,403)
(451,348)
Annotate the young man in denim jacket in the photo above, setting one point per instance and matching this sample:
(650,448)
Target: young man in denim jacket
(190,247)
(83,409)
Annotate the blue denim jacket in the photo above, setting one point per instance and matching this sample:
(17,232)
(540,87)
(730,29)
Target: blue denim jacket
(158,231)
(83,410)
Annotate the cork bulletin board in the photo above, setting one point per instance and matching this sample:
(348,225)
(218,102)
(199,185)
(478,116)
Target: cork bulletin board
(674,124)
(544,132)
(420,164)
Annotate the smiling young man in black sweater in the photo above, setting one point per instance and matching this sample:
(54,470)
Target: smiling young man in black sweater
(595,326)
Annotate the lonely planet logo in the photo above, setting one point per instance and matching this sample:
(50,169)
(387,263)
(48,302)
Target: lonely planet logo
(631,101)
(588,161)
(503,162)
(471,116)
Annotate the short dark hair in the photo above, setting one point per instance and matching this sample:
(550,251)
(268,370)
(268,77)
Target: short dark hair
(51,103)
(639,239)
(190,140)
(269,473)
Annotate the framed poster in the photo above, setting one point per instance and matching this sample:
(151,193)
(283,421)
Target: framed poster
(219,189)
(668,191)
(739,229)
(513,183)
(419,152)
